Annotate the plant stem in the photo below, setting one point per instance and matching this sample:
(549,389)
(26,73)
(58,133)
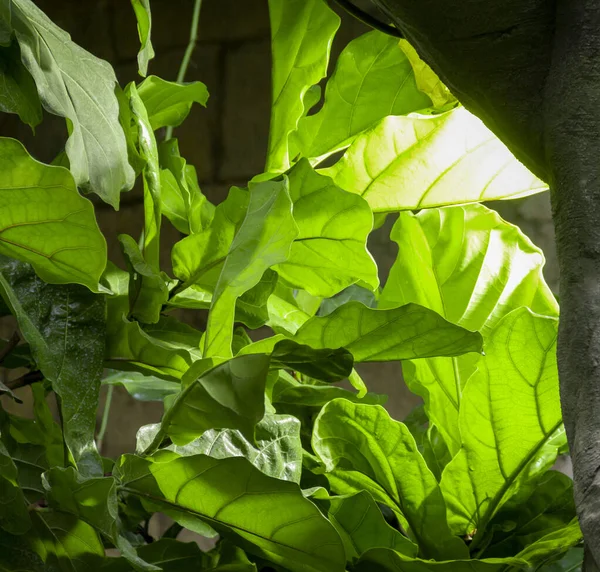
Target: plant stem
(105,415)
(187,56)
(27,379)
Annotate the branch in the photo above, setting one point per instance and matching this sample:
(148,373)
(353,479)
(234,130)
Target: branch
(24,380)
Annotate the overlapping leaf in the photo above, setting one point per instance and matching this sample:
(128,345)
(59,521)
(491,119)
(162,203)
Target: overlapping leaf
(373,78)
(301,36)
(144,26)
(330,251)
(424,161)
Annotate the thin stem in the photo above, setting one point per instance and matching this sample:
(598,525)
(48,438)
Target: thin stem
(187,56)
(105,415)
(27,379)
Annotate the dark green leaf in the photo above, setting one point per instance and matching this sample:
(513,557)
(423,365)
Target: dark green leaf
(373,78)
(84,95)
(330,252)
(169,103)
(364,449)
(416,162)
(301,36)
(14,517)
(237,499)
(407,332)
(572,562)
(65,327)
(144,26)
(18,93)
(45,221)
(17,555)
(505,441)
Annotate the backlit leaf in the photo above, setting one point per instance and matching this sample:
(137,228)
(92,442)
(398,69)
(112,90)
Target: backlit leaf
(144,26)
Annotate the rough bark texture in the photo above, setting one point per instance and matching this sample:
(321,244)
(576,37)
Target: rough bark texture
(530,69)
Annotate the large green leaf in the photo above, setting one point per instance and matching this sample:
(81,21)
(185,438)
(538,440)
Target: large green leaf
(82,94)
(301,35)
(363,448)
(65,327)
(144,26)
(418,162)
(277,453)
(45,221)
(228,396)
(17,555)
(93,500)
(169,103)
(544,506)
(330,252)
(236,498)
(14,517)
(407,332)
(386,560)
(263,240)
(18,93)
(362,526)
(509,414)
(473,268)
(373,78)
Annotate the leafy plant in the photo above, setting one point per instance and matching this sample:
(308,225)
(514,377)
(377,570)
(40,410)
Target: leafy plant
(258,445)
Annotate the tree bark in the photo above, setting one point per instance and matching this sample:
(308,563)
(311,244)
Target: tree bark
(530,69)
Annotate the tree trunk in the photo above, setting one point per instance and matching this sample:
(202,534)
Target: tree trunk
(530,69)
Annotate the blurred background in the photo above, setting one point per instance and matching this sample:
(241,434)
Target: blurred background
(226,142)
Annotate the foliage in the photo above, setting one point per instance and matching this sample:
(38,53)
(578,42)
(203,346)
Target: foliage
(258,445)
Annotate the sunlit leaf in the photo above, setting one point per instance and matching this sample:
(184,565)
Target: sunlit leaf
(424,161)
(142,387)
(301,36)
(144,26)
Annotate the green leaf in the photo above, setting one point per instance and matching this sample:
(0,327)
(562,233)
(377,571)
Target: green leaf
(14,517)
(251,307)
(361,525)
(144,26)
(17,555)
(148,291)
(427,80)
(93,500)
(416,162)
(168,102)
(545,505)
(373,78)
(386,560)
(301,35)
(65,327)
(83,95)
(505,441)
(66,542)
(571,562)
(182,200)
(552,546)
(228,396)
(387,335)
(237,499)
(330,252)
(364,449)
(354,292)
(142,387)
(18,93)
(263,240)
(151,176)
(473,268)
(277,453)
(46,222)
